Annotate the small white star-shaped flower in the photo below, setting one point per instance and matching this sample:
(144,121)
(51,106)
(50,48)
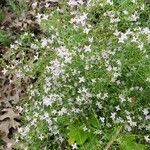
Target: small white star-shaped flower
(102,119)
(38,16)
(86,30)
(125,12)
(110,2)
(117,108)
(145,111)
(74,146)
(147,117)
(93,80)
(99,105)
(45,17)
(85,128)
(12,46)
(90,39)
(47,101)
(81,79)
(62,111)
(147,139)
(99,95)
(113,116)
(4,71)
(44,42)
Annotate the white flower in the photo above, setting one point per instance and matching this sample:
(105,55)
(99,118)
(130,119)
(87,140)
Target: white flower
(128,128)
(132,123)
(104,96)
(105,54)
(90,39)
(34,5)
(45,17)
(147,117)
(84,90)
(93,80)
(75,2)
(110,2)
(33,46)
(63,52)
(87,48)
(99,105)
(19,108)
(86,30)
(148,79)
(116,33)
(85,128)
(102,119)
(140,46)
(114,20)
(12,46)
(54,112)
(146,30)
(62,111)
(56,67)
(47,5)
(47,101)
(44,42)
(81,19)
(125,12)
(113,116)
(145,111)
(129,118)
(99,95)
(134,17)
(142,7)
(41,137)
(39,16)
(50,99)
(74,146)
(117,108)
(133,1)
(81,79)
(122,38)
(75,110)
(122,98)
(147,138)
(36,57)
(109,68)
(4,71)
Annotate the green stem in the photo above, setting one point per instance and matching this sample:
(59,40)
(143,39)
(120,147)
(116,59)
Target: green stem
(114,137)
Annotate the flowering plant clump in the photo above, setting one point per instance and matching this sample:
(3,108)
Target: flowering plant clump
(91,73)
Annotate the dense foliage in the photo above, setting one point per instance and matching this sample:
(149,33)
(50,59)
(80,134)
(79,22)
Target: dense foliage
(91,77)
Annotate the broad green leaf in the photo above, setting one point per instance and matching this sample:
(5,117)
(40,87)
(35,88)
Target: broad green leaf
(127,142)
(76,134)
(91,144)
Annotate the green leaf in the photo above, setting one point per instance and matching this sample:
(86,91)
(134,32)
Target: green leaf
(94,121)
(127,142)
(76,134)
(2,15)
(91,144)
(5,38)
(17,6)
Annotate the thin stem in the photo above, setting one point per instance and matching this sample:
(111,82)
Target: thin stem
(113,138)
